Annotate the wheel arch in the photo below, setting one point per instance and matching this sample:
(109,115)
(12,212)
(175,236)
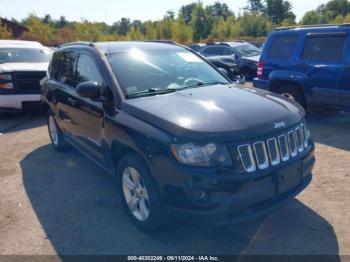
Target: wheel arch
(275,85)
(119,150)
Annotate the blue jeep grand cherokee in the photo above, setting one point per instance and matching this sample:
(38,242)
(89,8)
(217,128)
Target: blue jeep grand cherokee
(308,64)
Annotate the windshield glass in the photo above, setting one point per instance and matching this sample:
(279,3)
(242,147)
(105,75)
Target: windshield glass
(24,55)
(160,70)
(247,50)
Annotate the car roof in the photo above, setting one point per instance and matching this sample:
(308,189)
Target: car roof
(197,44)
(124,46)
(20,44)
(228,43)
(235,43)
(315,28)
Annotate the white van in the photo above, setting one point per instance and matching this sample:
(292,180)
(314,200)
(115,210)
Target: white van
(22,65)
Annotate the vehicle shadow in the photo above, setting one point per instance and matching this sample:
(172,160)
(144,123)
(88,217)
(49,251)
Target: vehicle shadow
(76,205)
(20,121)
(330,128)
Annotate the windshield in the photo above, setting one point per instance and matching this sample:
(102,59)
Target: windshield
(24,55)
(162,70)
(247,50)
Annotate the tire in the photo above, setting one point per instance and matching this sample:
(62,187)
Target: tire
(293,93)
(152,220)
(56,136)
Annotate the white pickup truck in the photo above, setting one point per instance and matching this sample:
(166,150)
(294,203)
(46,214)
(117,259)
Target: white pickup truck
(22,65)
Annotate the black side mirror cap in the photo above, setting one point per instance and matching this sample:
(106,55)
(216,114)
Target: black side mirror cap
(89,89)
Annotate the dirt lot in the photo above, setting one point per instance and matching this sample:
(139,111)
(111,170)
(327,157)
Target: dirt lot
(60,203)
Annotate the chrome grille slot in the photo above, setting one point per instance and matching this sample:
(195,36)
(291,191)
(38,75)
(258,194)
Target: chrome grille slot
(284,149)
(300,138)
(247,158)
(273,151)
(306,136)
(292,144)
(261,155)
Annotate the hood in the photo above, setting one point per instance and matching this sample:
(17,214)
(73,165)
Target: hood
(12,67)
(253,58)
(218,110)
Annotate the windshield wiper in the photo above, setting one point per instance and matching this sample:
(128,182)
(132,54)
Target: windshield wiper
(207,83)
(152,91)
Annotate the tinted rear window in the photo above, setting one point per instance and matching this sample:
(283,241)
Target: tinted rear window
(324,48)
(282,46)
(55,65)
(67,70)
(213,50)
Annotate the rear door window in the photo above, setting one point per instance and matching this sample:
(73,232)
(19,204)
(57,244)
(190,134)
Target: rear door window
(282,46)
(324,47)
(55,65)
(67,68)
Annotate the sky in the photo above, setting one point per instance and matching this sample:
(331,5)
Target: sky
(110,11)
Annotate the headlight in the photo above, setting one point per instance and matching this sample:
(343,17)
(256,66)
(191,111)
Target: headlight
(202,155)
(6,81)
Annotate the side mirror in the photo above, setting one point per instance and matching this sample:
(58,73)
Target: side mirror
(223,71)
(89,89)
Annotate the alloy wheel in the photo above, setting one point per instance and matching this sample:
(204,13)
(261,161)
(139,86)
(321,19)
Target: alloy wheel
(135,193)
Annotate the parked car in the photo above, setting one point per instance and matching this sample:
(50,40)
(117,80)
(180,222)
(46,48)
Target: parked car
(181,140)
(196,47)
(229,65)
(22,65)
(246,55)
(308,64)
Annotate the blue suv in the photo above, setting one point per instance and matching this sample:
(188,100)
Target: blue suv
(308,64)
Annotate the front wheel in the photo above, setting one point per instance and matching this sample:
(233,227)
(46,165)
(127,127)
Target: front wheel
(139,195)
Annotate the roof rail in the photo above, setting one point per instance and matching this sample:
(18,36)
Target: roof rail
(77,43)
(225,42)
(312,26)
(162,41)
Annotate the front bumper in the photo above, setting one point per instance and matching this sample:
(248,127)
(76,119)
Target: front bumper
(244,199)
(15,102)
(260,83)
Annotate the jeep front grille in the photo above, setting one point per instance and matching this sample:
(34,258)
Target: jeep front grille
(273,151)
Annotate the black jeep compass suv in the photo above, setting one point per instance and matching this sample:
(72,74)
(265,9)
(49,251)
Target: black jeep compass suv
(179,137)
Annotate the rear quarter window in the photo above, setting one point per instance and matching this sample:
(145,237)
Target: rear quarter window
(54,66)
(324,47)
(282,46)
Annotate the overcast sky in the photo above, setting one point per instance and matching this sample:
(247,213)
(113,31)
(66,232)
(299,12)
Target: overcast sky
(112,10)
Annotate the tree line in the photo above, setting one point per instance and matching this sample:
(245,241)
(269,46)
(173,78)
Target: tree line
(194,22)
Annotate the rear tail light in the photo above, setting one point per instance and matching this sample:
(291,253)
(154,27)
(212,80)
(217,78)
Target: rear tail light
(260,71)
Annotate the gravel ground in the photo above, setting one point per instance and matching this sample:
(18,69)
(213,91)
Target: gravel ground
(61,203)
